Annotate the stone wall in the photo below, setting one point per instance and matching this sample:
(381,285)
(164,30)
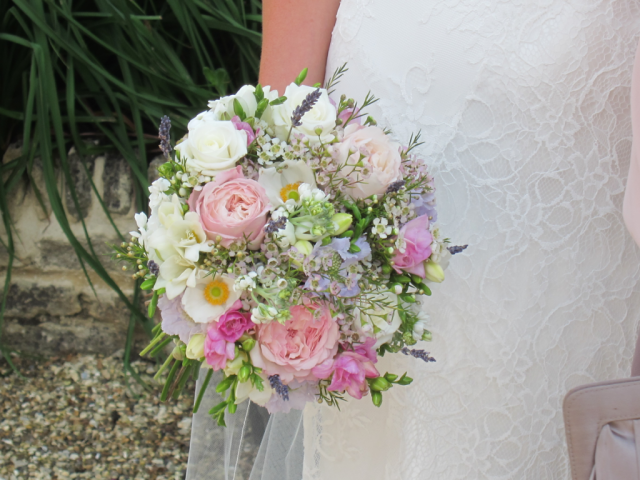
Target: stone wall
(51,307)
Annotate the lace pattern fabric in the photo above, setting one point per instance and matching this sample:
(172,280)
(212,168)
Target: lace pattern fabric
(524,110)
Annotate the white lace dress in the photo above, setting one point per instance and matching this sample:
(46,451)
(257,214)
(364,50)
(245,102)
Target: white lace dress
(524,108)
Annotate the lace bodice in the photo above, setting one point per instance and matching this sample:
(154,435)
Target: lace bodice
(524,109)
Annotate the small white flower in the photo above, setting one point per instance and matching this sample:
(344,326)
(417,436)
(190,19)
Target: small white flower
(401,243)
(381,227)
(157,190)
(245,282)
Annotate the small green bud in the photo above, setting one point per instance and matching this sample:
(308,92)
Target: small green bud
(232,408)
(248,344)
(300,78)
(326,241)
(243,374)
(433,272)
(318,131)
(342,222)
(407,297)
(386,269)
(185,208)
(380,384)
(354,248)
(262,106)
(238,110)
(376,398)
(390,377)
(416,279)
(402,279)
(304,246)
(405,380)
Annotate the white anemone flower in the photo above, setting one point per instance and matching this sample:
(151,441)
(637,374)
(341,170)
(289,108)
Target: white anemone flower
(282,182)
(209,298)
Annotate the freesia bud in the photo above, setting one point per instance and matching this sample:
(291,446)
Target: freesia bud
(243,374)
(433,272)
(342,221)
(178,353)
(304,246)
(380,384)
(376,397)
(248,344)
(234,366)
(195,347)
(397,289)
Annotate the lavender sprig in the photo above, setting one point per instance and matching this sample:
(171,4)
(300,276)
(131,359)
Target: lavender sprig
(306,105)
(421,354)
(274,225)
(395,186)
(164,132)
(457,249)
(280,388)
(153,267)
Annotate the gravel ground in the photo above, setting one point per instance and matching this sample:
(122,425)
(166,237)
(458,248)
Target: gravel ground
(75,418)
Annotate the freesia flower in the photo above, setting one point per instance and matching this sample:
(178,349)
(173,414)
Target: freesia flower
(210,298)
(245,127)
(376,152)
(212,146)
(418,239)
(350,371)
(233,208)
(281,183)
(292,350)
(216,349)
(195,347)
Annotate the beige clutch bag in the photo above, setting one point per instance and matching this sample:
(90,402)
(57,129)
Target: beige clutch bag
(602,422)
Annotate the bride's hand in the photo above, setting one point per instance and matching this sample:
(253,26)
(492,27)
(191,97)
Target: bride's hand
(296,34)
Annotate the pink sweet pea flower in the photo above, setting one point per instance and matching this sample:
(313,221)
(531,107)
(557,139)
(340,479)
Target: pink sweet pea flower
(232,324)
(418,239)
(232,207)
(216,349)
(350,371)
(251,136)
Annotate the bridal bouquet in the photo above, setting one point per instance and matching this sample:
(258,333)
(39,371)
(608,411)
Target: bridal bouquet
(290,244)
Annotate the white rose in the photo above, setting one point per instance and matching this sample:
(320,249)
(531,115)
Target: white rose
(322,115)
(381,159)
(212,145)
(246,98)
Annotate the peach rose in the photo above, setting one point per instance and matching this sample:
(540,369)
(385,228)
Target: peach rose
(303,342)
(381,160)
(232,207)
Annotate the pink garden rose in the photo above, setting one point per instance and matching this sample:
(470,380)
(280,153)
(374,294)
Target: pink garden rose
(216,349)
(292,350)
(245,127)
(350,371)
(232,207)
(380,156)
(232,324)
(418,238)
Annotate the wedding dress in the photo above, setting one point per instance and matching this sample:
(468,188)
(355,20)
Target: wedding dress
(524,111)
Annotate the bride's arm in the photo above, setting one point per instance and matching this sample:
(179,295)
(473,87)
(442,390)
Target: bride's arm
(296,34)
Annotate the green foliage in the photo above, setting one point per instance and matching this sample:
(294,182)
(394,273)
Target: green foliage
(109,69)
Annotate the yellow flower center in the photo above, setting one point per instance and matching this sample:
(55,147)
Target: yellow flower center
(216,292)
(290,192)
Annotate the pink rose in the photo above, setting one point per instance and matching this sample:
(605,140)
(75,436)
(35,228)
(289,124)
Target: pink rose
(232,324)
(380,156)
(418,239)
(216,349)
(232,207)
(243,126)
(291,350)
(350,371)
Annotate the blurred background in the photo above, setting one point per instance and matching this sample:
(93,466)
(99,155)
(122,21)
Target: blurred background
(83,87)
